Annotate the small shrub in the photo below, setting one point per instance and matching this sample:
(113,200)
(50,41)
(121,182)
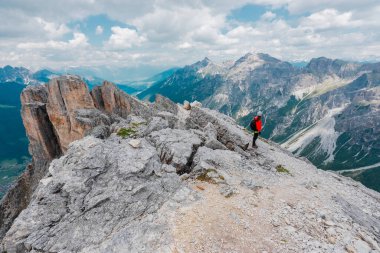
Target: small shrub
(282,169)
(126,132)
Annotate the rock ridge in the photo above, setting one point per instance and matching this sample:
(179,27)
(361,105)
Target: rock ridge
(122,175)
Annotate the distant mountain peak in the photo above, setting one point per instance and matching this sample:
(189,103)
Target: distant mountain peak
(201,64)
(256,58)
(322,65)
(206,59)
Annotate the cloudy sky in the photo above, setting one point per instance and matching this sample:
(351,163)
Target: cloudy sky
(158,34)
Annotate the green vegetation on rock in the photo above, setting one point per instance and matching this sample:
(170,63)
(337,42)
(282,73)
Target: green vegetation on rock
(207,177)
(126,132)
(282,169)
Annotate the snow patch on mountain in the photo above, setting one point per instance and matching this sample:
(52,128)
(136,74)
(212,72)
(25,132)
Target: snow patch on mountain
(324,129)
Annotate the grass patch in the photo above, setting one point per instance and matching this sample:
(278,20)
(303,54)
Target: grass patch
(137,124)
(205,177)
(126,132)
(282,169)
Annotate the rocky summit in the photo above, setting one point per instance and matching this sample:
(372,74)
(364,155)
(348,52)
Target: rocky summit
(327,111)
(111,173)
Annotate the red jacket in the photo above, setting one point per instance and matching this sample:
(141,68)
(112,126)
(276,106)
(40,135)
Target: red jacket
(258,124)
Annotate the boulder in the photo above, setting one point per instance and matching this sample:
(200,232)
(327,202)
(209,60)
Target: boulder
(101,131)
(228,132)
(156,124)
(211,137)
(135,143)
(170,117)
(218,162)
(186,105)
(210,131)
(214,144)
(176,147)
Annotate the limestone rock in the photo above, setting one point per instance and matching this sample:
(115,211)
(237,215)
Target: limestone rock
(211,137)
(362,247)
(175,146)
(186,105)
(86,200)
(196,104)
(228,132)
(66,95)
(214,144)
(210,131)
(101,131)
(135,143)
(113,100)
(43,141)
(220,161)
(170,118)
(162,103)
(156,124)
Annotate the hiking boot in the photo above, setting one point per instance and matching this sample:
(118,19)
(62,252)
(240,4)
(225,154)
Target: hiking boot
(254,146)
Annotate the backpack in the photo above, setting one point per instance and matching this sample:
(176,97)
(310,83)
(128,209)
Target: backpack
(253,125)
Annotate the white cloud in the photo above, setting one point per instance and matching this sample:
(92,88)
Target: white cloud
(122,38)
(184,45)
(53,30)
(79,40)
(99,30)
(175,33)
(268,16)
(174,24)
(329,18)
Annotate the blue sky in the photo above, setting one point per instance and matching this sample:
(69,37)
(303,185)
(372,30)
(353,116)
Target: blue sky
(141,38)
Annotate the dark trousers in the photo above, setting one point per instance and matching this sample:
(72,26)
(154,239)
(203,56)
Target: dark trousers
(255,136)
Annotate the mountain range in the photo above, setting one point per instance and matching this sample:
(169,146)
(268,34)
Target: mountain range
(327,111)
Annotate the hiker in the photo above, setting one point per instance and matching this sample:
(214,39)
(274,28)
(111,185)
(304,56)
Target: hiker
(256,127)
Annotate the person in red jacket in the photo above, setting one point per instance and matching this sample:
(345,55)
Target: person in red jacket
(256,126)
